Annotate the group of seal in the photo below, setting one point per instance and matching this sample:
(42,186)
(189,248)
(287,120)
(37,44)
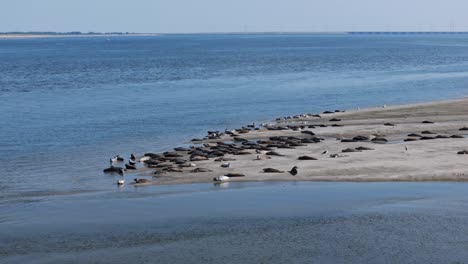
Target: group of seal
(215,146)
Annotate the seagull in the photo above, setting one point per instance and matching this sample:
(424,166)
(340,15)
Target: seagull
(120,182)
(293,171)
(325,152)
(221,178)
(226,165)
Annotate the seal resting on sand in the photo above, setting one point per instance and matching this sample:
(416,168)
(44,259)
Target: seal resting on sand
(364,148)
(306,158)
(130,167)
(136,180)
(200,170)
(271,170)
(379,140)
(360,138)
(224,159)
(113,169)
(350,150)
(234,175)
(273,153)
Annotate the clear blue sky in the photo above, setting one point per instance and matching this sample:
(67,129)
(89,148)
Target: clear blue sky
(175,16)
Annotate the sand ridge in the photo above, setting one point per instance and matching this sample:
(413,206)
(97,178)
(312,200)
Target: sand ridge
(396,160)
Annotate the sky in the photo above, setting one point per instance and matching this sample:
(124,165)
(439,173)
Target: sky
(192,16)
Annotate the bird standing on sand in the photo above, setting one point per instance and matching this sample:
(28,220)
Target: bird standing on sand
(293,171)
(221,178)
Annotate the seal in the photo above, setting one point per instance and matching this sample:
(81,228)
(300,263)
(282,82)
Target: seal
(136,180)
(273,153)
(364,148)
(130,167)
(350,150)
(200,170)
(113,169)
(271,170)
(234,175)
(306,158)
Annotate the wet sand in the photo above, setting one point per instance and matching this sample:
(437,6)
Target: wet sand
(433,158)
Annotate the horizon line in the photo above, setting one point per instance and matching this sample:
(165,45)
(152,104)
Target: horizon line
(221,32)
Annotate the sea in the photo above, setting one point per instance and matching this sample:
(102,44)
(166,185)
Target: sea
(69,104)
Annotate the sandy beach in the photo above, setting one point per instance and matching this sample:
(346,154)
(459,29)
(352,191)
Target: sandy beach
(431,154)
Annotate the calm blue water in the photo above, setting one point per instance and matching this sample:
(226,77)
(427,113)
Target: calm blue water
(311,222)
(68,104)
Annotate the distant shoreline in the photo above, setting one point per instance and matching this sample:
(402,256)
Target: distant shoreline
(31,36)
(22,35)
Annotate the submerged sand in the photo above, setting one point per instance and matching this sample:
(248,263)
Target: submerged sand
(396,160)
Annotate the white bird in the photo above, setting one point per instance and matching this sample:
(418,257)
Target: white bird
(325,152)
(112,160)
(144,158)
(120,182)
(193,165)
(221,178)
